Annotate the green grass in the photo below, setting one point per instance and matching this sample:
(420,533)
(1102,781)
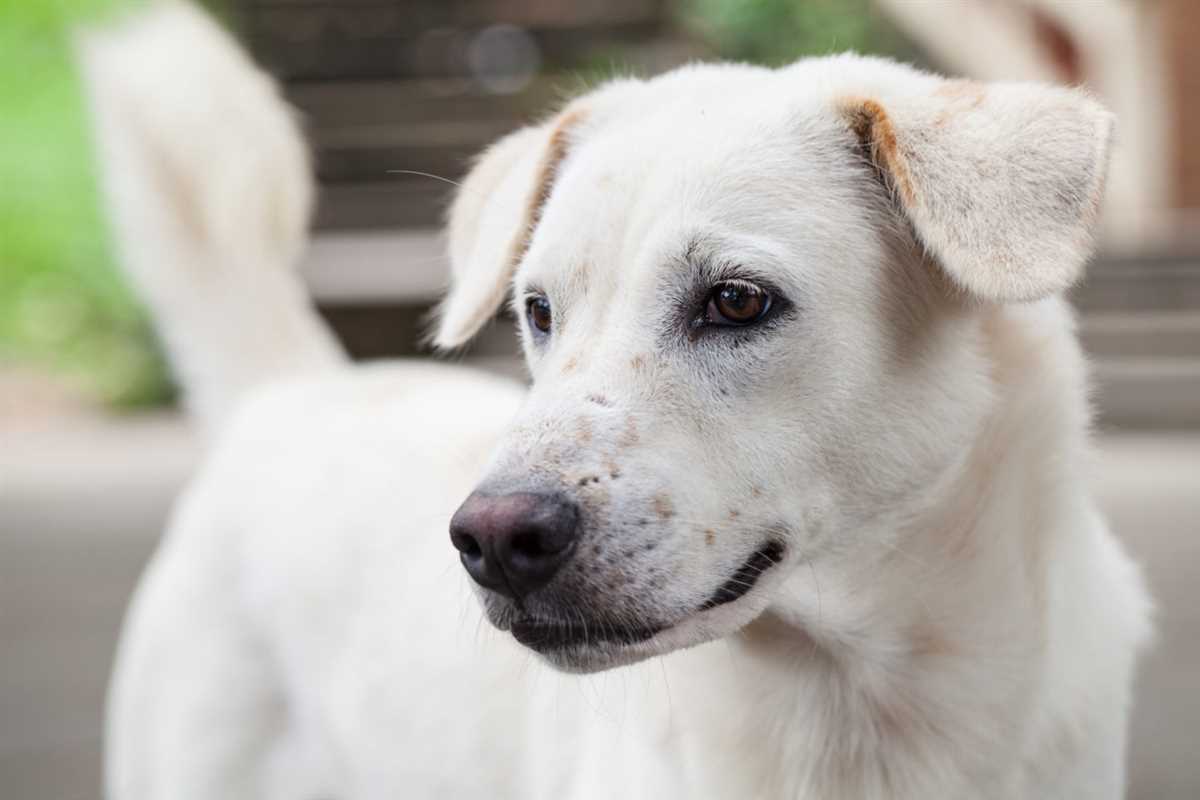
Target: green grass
(63,304)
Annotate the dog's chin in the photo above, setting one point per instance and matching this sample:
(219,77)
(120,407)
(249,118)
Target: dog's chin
(584,646)
(602,647)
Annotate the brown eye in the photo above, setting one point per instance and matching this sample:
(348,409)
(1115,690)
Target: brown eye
(538,310)
(736,303)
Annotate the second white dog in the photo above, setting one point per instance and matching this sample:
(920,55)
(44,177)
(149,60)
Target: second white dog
(802,473)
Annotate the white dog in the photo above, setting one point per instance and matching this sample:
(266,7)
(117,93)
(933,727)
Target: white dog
(804,455)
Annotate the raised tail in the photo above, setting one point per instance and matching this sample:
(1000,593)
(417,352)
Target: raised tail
(209,191)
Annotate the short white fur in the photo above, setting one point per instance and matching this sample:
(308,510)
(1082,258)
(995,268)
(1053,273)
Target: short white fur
(951,617)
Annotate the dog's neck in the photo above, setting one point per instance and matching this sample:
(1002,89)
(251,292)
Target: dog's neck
(931,654)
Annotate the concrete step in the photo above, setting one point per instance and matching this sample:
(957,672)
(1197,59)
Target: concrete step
(1149,334)
(391,203)
(1143,392)
(398,267)
(1145,282)
(1145,366)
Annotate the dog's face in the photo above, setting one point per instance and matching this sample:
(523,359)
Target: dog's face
(749,301)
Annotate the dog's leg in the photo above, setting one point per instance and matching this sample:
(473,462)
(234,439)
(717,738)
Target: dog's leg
(196,707)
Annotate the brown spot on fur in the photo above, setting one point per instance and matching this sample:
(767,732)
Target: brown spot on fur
(629,437)
(638,362)
(584,433)
(734,513)
(663,506)
(571,364)
(613,471)
(557,149)
(710,537)
(963,96)
(970,92)
(928,642)
(874,129)
(756,491)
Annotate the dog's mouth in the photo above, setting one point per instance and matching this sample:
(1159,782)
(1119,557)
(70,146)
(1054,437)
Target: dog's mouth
(549,636)
(747,575)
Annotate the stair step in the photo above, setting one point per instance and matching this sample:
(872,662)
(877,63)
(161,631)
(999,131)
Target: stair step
(1152,334)
(1148,392)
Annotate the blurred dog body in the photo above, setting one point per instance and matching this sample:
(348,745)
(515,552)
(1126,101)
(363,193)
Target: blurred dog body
(846,551)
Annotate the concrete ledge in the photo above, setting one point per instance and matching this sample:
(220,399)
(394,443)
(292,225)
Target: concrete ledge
(376,267)
(1148,392)
(1146,333)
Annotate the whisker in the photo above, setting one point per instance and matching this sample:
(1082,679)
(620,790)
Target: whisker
(817,585)
(423,175)
(896,549)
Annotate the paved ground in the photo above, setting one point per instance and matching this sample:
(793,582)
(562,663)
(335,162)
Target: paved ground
(81,506)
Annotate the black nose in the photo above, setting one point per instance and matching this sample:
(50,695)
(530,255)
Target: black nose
(514,543)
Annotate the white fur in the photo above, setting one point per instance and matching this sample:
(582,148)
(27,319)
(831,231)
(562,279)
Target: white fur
(950,618)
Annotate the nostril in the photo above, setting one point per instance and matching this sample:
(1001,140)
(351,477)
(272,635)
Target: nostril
(531,545)
(466,544)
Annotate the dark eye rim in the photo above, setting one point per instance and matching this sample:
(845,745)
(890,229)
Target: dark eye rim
(709,315)
(532,299)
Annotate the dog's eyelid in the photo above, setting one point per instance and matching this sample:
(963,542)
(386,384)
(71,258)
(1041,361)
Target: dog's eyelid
(710,269)
(736,275)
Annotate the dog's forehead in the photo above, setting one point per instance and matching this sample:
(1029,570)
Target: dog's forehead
(686,160)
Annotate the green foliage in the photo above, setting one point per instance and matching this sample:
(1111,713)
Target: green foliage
(775,32)
(63,304)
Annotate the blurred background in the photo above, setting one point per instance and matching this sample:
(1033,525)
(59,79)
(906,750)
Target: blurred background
(92,449)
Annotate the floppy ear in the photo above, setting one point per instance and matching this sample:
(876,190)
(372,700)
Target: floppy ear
(1001,182)
(492,220)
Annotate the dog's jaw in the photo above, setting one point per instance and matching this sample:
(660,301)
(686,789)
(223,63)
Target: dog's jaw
(571,643)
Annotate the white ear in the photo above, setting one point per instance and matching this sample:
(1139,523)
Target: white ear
(1001,182)
(492,219)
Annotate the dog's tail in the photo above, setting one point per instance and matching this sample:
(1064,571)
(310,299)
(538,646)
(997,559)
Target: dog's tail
(209,190)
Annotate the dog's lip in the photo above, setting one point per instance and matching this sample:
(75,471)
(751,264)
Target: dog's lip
(546,635)
(746,576)
(554,635)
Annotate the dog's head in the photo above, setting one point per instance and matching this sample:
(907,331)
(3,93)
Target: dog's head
(750,303)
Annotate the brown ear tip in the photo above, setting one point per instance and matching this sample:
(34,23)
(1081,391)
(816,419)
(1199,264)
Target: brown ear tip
(871,124)
(862,114)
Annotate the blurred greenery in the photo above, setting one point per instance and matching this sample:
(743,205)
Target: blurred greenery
(63,305)
(775,32)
